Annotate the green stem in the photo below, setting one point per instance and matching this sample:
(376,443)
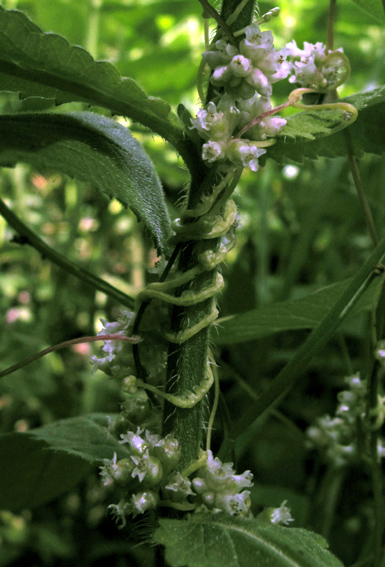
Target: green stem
(208,9)
(64,263)
(294,370)
(360,190)
(187,362)
(71,342)
(330,29)
(92,39)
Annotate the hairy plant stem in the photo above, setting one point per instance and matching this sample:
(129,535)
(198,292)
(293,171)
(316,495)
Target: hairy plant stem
(187,362)
(29,237)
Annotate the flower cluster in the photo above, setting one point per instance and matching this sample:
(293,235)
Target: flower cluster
(336,437)
(245,74)
(118,355)
(149,478)
(143,473)
(315,67)
(220,489)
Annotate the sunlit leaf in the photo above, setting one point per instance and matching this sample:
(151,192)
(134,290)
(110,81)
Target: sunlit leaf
(91,148)
(303,136)
(38,64)
(373,7)
(218,541)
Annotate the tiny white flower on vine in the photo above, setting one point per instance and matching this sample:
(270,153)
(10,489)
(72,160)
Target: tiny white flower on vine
(177,488)
(120,511)
(244,152)
(143,501)
(137,445)
(213,151)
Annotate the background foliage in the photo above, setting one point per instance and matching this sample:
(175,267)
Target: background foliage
(300,229)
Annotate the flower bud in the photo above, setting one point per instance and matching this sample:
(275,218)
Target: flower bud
(241,66)
(143,501)
(122,472)
(137,445)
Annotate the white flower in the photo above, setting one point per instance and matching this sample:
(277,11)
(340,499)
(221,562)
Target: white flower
(213,125)
(244,152)
(143,501)
(138,446)
(120,511)
(213,151)
(234,504)
(107,470)
(281,515)
(241,66)
(177,488)
(313,67)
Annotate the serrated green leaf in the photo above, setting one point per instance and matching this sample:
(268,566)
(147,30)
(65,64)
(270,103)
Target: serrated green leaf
(372,7)
(301,136)
(87,437)
(293,314)
(44,463)
(226,541)
(38,64)
(91,148)
(31,474)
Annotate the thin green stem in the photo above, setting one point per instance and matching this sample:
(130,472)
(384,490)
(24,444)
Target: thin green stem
(64,263)
(92,39)
(208,9)
(294,370)
(360,191)
(377,487)
(330,28)
(81,340)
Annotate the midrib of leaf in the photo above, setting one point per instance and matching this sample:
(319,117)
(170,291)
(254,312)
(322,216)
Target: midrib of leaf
(30,56)
(102,97)
(259,540)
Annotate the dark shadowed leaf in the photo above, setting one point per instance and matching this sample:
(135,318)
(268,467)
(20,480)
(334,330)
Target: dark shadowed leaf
(293,314)
(44,463)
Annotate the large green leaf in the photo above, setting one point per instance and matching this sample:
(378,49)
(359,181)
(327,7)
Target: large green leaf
(372,7)
(88,437)
(31,475)
(40,64)
(225,541)
(43,463)
(293,314)
(303,136)
(91,148)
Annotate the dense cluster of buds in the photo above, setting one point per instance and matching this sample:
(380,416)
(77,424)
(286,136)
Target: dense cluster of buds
(143,473)
(245,74)
(117,356)
(149,478)
(149,475)
(336,437)
(315,67)
(220,489)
